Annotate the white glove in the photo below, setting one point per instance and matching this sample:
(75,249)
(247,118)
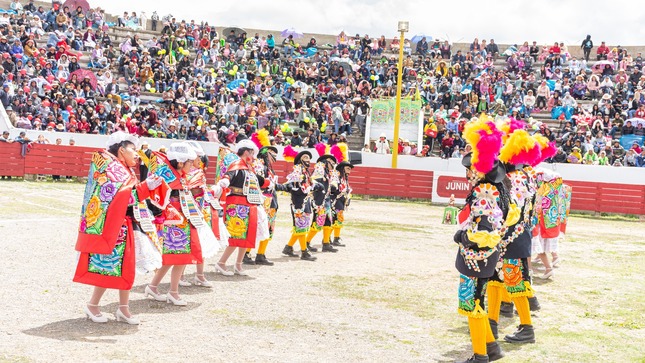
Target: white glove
(217,190)
(153,182)
(224,183)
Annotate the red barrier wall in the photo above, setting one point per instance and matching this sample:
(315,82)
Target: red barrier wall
(380,182)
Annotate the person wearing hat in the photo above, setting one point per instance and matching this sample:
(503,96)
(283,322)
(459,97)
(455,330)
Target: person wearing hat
(264,167)
(482,222)
(299,186)
(109,242)
(181,243)
(382,145)
(513,275)
(244,217)
(323,186)
(341,199)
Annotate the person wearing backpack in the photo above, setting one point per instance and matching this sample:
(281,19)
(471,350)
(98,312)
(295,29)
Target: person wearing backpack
(586,46)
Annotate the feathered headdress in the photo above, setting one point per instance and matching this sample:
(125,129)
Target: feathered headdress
(289,153)
(509,126)
(321,149)
(520,148)
(547,149)
(337,153)
(486,142)
(261,138)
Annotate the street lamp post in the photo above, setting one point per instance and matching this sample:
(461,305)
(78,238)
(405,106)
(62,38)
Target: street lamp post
(404,26)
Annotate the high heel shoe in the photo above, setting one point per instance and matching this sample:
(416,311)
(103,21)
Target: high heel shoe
(120,316)
(184,283)
(222,271)
(239,271)
(202,283)
(154,295)
(176,302)
(547,274)
(99,318)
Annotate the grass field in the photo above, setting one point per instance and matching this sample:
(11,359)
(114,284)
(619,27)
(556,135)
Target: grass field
(389,296)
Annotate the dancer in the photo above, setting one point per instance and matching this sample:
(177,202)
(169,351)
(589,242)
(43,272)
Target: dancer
(115,215)
(513,273)
(245,218)
(181,220)
(299,186)
(550,214)
(323,188)
(342,198)
(264,167)
(208,205)
(482,224)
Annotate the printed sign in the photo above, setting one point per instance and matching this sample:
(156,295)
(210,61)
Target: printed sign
(447,184)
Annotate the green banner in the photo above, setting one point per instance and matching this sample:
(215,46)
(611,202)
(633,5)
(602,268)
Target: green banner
(383,111)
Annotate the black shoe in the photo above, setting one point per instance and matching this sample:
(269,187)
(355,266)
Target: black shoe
(506,310)
(493,327)
(262,260)
(327,247)
(337,243)
(476,358)
(311,249)
(288,250)
(494,351)
(305,255)
(534,304)
(247,259)
(524,334)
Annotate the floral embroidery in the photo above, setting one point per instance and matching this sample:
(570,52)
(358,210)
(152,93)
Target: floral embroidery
(176,240)
(108,191)
(116,171)
(93,211)
(110,264)
(466,292)
(237,220)
(167,174)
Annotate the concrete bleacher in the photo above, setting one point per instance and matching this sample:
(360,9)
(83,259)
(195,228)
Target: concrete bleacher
(118,35)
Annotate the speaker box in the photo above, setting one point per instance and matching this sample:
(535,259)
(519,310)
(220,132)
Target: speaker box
(355,157)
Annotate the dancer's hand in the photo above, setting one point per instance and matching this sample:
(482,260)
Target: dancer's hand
(153,182)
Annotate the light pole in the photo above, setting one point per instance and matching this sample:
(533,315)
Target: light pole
(404,26)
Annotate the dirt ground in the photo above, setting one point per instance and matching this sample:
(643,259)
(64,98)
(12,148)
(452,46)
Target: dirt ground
(389,296)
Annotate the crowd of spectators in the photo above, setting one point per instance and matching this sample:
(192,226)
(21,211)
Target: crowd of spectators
(189,82)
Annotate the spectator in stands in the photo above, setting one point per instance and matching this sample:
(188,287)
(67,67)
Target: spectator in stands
(640,160)
(602,51)
(586,46)
(382,145)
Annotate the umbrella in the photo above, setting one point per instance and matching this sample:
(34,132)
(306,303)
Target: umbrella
(82,73)
(600,65)
(636,121)
(417,38)
(74,4)
(293,32)
(236,83)
(237,31)
(346,66)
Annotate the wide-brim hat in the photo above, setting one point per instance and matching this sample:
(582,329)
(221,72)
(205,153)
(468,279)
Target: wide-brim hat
(296,160)
(265,150)
(341,166)
(496,175)
(323,158)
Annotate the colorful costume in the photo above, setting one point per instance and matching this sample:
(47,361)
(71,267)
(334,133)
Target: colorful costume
(264,168)
(551,211)
(245,221)
(324,185)
(181,245)
(482,224)
(299,186)
(513,273)
(116,235)
(342,197)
